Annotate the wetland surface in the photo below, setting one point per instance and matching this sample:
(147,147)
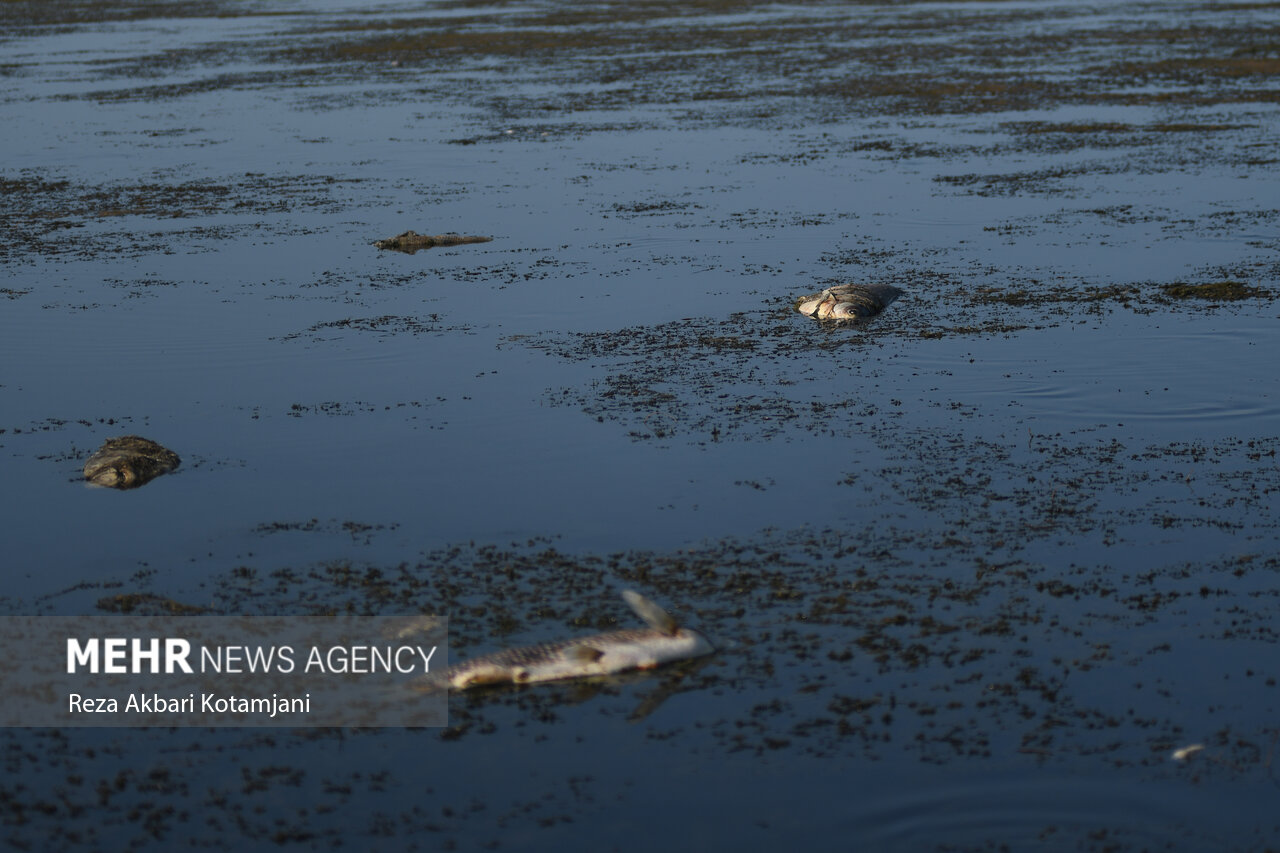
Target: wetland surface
(978,567)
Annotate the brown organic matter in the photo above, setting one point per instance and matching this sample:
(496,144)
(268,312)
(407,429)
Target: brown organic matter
(412,241)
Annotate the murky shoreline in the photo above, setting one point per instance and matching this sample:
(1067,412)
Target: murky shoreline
(978,567)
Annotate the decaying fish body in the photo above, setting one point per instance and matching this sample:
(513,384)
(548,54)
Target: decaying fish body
(603,654)
(848,301)
(129,461)
(412,241)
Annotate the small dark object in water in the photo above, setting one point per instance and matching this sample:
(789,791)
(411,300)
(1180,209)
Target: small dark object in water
(129,461)
(412,241)
(848,302)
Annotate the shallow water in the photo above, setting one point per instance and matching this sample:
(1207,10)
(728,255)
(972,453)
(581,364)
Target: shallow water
(977,567)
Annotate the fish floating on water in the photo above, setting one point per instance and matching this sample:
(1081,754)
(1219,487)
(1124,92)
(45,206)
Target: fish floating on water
(848,301)
(412,241)
(664,641)
(129,461)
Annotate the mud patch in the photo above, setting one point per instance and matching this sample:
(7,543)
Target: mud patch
(386,326)
(740,62)
(1216,291)
(706,379)
(147,603)
(53,217)
(749,376)
(359,531)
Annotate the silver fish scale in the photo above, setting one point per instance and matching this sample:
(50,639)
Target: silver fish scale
(543,652)
(867,304)
(663,642)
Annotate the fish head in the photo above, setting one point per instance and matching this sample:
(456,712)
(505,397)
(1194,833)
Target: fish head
(696,645)
(117,475)
(848,311)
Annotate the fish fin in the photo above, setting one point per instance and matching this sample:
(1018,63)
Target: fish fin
(651,613)
(583,653)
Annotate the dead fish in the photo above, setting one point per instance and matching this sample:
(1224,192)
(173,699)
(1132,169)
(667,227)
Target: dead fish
(664,641)
(808,305)
(129,461)
(412,241)
(848,301)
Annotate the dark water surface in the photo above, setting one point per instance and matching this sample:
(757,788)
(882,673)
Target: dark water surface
(978,568)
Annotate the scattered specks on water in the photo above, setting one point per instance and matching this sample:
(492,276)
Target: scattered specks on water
(1014,536)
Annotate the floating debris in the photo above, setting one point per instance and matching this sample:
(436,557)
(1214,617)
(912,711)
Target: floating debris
(664,641)
(848,301)
(129,461)
(1187,751)
(411,241)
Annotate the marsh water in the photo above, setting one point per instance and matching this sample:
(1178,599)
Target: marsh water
(977,568)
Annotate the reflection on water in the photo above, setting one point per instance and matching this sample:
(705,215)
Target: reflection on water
(1194,376)
(976,568)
